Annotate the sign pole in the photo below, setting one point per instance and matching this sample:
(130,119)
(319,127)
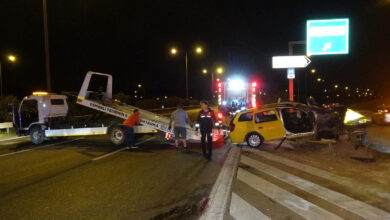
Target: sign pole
(290,53)
(291,77)
(291,81)
(291,89)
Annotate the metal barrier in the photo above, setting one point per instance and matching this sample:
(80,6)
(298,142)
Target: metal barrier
(6,125)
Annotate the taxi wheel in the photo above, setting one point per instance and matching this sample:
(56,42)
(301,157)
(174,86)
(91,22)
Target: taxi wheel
(254,140)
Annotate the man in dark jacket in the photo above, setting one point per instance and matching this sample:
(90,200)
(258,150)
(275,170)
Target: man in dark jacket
(205,122)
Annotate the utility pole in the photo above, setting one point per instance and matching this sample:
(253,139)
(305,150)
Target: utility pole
(47,53)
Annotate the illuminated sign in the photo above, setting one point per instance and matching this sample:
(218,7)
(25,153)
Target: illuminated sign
(290,73)
(330,36)
(284,62)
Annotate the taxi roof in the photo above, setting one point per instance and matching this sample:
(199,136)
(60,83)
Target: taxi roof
(280,104)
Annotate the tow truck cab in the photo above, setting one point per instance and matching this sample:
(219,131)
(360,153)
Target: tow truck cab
(40,111)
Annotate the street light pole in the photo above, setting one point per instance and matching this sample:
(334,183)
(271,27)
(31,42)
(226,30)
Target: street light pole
(47,54)
(186,75)
(1,79)
(212,84)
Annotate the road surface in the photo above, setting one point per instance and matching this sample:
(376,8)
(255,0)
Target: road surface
(88,178)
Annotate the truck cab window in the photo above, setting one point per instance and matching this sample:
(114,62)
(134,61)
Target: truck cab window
(57,102)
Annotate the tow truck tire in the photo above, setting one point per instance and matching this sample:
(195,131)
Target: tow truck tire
(117,135)
(37,135)
(254,140)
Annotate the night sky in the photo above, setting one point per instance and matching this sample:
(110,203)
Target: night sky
(132,39)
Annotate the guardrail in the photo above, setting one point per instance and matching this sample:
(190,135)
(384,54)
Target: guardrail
(6,125)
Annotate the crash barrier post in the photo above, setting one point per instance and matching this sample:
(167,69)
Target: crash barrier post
(6,125)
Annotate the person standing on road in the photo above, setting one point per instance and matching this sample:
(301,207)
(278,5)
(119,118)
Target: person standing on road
(180,118)
(205,122)
(128,126)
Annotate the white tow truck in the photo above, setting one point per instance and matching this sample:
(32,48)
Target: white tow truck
(45,115)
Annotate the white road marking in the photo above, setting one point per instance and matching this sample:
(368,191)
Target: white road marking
(355,206)
(40,147)
(221,191)
(119,150)
(345,181)
(296,204)
(242,210)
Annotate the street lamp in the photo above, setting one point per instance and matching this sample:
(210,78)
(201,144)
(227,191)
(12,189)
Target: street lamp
(336,86)
(318,79)
(198,50)
(219,70)
(139,85)
(313,71)
(204,71)
(12,59)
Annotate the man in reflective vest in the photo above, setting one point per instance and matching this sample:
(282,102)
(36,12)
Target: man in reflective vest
(205,121)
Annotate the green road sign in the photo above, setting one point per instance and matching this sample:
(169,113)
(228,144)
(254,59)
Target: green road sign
(330,36)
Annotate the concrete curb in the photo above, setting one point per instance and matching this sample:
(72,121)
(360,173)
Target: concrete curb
(218,205)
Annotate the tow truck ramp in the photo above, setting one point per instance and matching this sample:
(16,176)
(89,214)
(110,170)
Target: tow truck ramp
(148,119)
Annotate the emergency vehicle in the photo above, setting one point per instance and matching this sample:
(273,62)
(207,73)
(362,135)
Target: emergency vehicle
(235,95)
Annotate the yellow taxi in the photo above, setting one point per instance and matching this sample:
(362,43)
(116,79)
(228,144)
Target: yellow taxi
(272,122)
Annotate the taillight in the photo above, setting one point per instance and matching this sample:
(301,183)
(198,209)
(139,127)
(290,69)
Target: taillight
(168,136)
(220,115)
(232,126)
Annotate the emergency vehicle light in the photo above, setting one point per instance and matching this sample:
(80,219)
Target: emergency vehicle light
(236,84)
(254,84)
(40,93)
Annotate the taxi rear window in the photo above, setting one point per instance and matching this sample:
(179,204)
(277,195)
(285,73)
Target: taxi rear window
(265,116)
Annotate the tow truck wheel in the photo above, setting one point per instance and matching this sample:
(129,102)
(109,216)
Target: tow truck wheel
(117,135)
(254,140)
(36,135)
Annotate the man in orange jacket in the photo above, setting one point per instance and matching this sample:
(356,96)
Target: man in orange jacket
(128,125)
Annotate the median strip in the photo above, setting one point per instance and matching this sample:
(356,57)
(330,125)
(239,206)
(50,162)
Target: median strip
(221,192)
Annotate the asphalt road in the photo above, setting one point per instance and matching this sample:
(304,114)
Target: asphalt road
(89,178)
